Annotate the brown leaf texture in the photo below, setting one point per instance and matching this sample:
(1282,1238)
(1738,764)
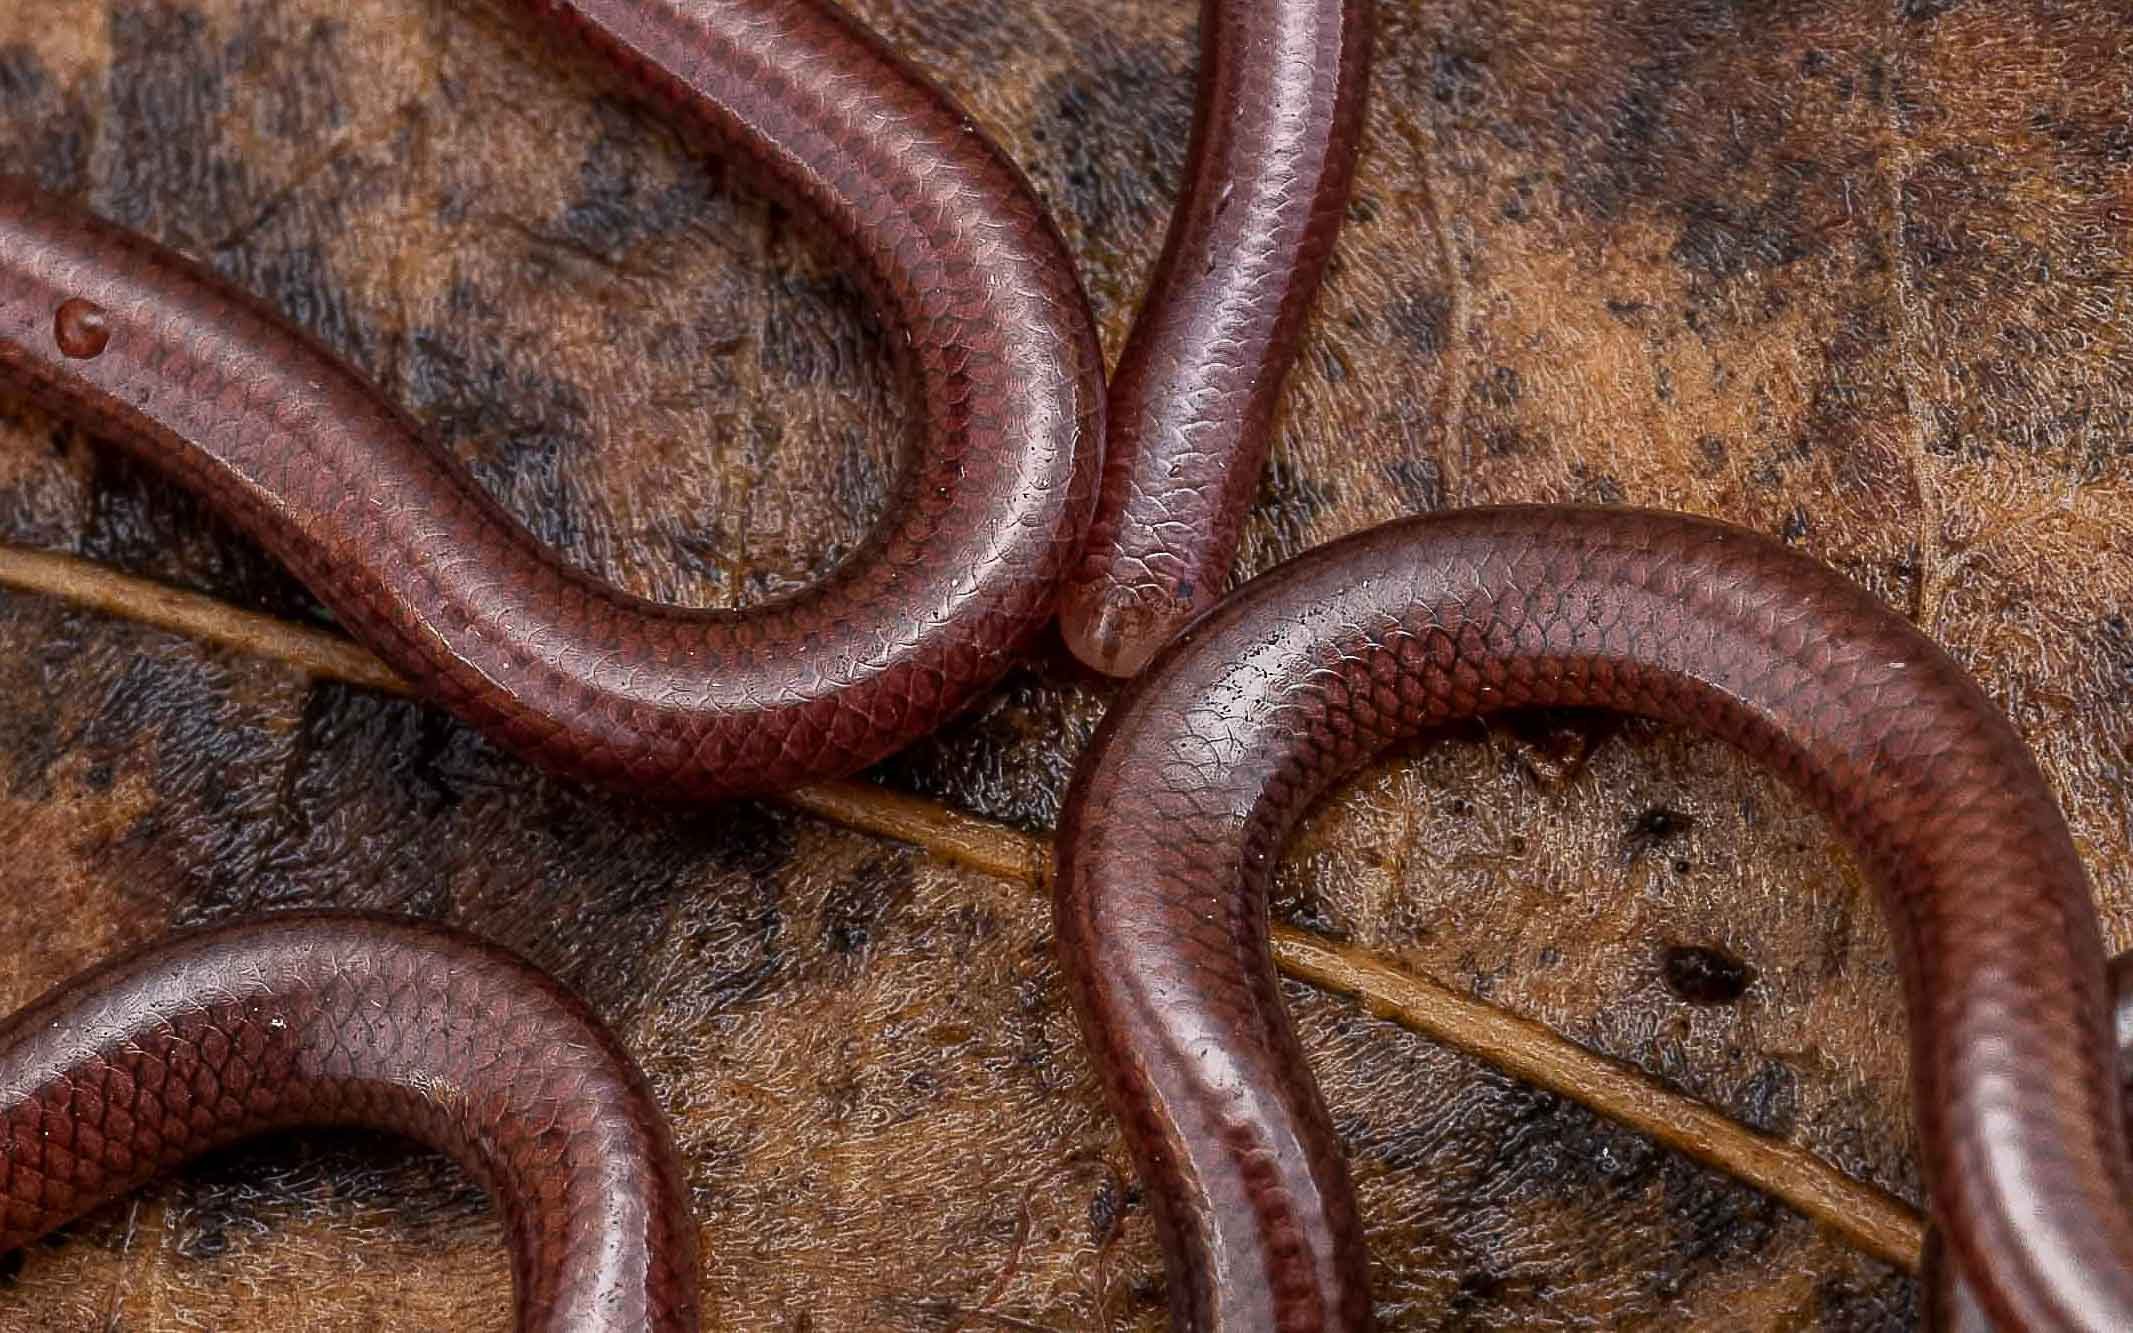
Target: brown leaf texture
(1855,276)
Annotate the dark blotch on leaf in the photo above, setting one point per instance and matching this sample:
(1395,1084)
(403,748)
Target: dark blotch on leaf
(1702,975)
(1655,826)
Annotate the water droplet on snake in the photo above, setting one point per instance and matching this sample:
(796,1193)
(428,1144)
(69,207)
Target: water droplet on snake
(82,328)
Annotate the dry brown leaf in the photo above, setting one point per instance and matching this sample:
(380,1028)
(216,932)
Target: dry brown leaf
(1856,277)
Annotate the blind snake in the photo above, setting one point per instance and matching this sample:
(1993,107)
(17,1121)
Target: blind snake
(1179,810)
(150,350)
(348,1019)
(358,1020)
(2002,965)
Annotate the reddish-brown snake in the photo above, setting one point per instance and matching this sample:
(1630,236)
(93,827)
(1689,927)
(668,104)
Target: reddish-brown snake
(424,567)
(1262,705)
(1179,811)
(318,1019)
(1952,1304)
(148,349)
(1274,137)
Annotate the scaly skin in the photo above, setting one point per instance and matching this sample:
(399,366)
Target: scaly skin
(425,568)
(1179,811)
(1274,139)
(1952,1305)
(348,1019)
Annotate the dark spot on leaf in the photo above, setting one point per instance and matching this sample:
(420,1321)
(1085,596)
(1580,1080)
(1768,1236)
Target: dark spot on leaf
(1476,1289)
(1105,1211)
(1701,975)
(853,909)
(1770,1100)
(162,129)
(1499,389)
(44,131)
(1456,79)
(1717,243)
(1655,826)
(1596,487)
(2117,635)
(1423,319)
(1419,482)
(1121,150)
(621,198)
(1010,758)
(533,429)
(1866,1298)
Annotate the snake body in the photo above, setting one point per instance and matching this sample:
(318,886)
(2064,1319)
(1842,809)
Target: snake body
(350,1020)
(1278,122)
(309,1019)
(1178,813)
(1179,810)
(150,350)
